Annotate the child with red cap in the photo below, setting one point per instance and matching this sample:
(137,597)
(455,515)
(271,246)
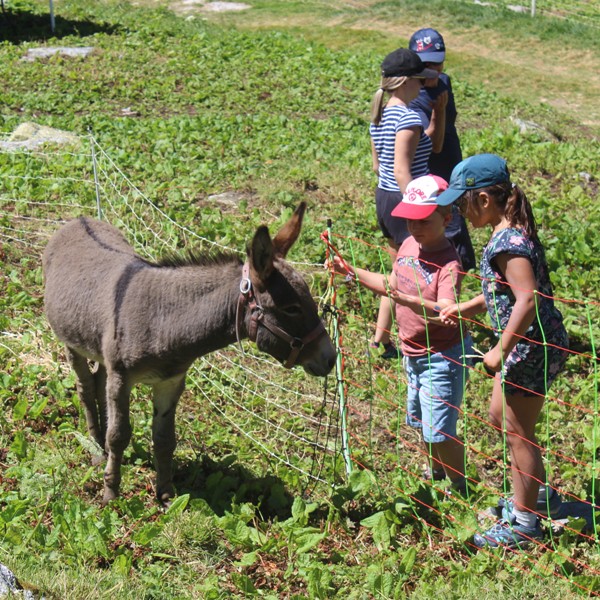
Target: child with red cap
(426,277)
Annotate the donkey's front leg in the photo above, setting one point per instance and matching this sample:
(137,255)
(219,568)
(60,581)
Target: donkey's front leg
(118,432)
(165,397)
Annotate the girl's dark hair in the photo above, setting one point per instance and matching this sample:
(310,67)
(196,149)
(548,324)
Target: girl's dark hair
(511,199)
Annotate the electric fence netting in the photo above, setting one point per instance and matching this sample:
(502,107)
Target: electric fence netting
(317,434)
(290,418)
(568,431)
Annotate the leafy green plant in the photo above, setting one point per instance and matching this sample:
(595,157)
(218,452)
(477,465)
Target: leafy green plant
(275,113)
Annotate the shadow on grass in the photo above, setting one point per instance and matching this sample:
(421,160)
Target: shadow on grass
(225,482)
(17,26)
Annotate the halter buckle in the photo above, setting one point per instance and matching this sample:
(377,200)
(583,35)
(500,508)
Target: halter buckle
(245,286)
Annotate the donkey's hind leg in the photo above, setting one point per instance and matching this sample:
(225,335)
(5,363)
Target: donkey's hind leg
(165,398)
(89,392)
(99,373)
(118,431)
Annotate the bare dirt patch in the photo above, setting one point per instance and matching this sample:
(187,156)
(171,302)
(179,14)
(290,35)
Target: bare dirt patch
(189,7)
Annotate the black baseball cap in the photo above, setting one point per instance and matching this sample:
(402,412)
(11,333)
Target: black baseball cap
(405,63)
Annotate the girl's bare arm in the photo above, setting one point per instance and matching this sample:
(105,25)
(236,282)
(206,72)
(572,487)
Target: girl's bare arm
(405,148)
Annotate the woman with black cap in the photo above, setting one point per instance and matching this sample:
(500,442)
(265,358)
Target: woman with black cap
(400,150)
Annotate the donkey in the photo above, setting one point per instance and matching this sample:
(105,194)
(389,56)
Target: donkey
(146,322)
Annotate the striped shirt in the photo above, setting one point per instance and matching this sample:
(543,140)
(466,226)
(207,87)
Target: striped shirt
(396,118)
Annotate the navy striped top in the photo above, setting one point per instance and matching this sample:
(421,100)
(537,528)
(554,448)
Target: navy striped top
(394,119)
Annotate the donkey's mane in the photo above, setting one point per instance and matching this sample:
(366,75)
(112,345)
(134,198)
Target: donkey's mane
(197,258)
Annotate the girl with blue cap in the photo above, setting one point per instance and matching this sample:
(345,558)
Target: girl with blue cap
(532,340)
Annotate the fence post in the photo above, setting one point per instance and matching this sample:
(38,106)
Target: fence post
(533,8)
(95,167)
(339,366)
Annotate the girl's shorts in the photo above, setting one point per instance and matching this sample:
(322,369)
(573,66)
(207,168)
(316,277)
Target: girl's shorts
(531,368)
(394,228)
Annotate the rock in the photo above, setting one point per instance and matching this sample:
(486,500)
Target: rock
(9,586)
(225,6)
(39,53)
(517,8)
(227,198)
(528,127)
(29,136)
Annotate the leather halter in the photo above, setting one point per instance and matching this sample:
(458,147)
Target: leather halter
(247,297)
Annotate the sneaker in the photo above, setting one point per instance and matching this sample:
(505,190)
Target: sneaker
(507,533)
(552,509)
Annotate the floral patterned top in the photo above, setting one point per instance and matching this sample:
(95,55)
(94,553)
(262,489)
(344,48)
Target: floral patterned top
(498,295)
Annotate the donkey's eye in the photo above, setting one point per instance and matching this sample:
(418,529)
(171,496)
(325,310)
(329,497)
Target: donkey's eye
(293,310)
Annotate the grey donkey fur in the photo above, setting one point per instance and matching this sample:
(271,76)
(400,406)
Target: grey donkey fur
(145,322)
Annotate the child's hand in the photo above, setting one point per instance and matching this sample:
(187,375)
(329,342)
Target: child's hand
(339,266)
(396,296)
(439,104)
(492,361)
(449,315)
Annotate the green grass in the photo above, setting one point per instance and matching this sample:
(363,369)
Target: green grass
(277,111)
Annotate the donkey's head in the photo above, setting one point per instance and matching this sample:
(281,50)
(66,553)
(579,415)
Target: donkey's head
(284,321)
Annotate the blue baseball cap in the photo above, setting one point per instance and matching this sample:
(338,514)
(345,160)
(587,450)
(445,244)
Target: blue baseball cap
(429,45)
(473,173)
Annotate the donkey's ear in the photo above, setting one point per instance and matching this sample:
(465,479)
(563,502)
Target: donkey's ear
(261,254)
(289,233)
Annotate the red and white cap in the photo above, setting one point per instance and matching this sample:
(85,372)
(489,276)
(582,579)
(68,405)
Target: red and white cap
(420,198)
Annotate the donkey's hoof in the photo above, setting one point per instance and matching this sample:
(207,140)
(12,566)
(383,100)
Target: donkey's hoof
(166,496)
(98,459)
(108,496)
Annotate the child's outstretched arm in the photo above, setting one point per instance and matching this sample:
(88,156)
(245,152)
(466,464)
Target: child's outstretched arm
(518,273)
(416,304)
(449,315)
(376,282)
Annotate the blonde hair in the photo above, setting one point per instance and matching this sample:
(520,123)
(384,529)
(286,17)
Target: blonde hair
(388,84)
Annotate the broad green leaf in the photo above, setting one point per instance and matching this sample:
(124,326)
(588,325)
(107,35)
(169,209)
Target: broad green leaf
(19,445)
(87,443)
(36,410)
(361,482)
(20,408)
(247,559)
(244,584)
(178,506)
(380,529)
(307,541)
(408,561)
(148,533)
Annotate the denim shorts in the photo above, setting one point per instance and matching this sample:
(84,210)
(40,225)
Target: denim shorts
(436,384)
